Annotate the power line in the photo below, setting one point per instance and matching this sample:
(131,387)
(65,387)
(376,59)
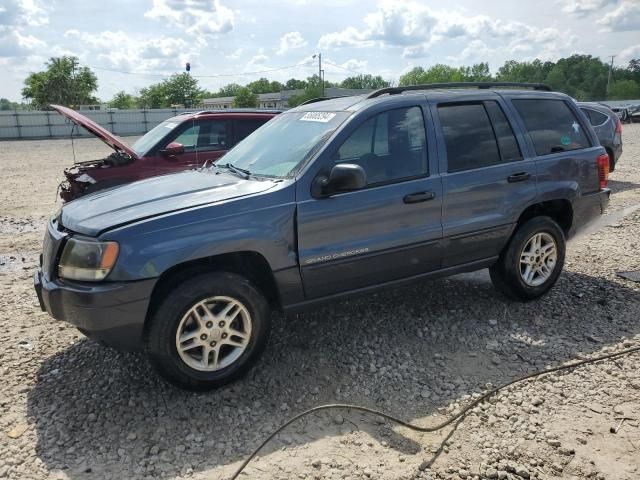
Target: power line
(344,68)
(305,63)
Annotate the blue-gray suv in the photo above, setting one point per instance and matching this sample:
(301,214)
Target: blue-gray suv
(333,198)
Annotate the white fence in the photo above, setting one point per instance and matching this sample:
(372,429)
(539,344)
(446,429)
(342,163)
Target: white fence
(27,124)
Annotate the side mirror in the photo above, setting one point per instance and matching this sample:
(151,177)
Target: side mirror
(174,148)
(344,177)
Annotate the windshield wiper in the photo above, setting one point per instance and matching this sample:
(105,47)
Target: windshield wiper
(237,170)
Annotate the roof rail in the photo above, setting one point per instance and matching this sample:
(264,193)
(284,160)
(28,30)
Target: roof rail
(433,86)
(321,99)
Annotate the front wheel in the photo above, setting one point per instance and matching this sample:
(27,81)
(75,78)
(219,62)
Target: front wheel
(532,261)
(208,331)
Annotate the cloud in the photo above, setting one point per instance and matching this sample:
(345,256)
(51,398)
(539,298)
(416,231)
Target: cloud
(17,17)
(628,53)
(582,8)
(135,53)
(624,18)
(350,67)
(257,61)
(417,29)
(21,13)
(195,17)
(393,23)
(235,54)
(14,44)
(291,41)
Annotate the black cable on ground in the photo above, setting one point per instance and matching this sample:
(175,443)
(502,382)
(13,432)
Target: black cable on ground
(463,413)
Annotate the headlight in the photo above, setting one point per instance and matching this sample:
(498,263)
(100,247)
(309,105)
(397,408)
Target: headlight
(87,259)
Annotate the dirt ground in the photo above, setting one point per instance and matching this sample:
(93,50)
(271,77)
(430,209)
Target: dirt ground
(71,409)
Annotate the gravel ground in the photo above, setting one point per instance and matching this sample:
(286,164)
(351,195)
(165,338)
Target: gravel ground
(71,409)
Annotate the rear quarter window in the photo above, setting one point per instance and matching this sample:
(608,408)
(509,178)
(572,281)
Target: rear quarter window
(552,125)
(595,118)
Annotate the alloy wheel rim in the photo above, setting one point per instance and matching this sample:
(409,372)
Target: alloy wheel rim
(213,333)
(538,259)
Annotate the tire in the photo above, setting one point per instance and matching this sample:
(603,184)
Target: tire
(508,274)
(186,367)
(612,161)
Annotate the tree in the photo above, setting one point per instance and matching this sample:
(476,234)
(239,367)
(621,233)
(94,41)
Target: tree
(6,104)
(295,84)
(624,90)
(63,82)
(123,101)
(441,73)
(230,90)
(364,81)
(182,89)
(478,73)
(153,96)
(581,76)
(245,98)
(263,85)
(534,72)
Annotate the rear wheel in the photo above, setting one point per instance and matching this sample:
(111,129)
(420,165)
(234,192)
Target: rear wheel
(208,331)
(532,261)
(612,161)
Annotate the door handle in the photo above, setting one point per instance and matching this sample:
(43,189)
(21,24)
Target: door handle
(518,177)
(419,197)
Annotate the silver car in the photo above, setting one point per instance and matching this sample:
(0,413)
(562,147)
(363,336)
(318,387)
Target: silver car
(608,128)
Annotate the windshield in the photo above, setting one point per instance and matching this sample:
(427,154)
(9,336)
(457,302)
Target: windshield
(283,144)
(143,144)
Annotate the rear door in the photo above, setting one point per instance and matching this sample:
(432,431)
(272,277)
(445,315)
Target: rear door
(487,182)
(386,231)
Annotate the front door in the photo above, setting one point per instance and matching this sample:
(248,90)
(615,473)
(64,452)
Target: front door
(386,231)
(204,142)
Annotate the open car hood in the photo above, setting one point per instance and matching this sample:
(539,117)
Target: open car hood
(102,133)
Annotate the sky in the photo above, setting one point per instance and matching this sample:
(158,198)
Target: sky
(131,44)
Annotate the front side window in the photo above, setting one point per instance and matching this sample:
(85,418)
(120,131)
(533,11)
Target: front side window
(188,138)
(389,146)
(552,125)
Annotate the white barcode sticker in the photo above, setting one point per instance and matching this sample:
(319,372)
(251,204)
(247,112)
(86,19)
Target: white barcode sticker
(322,117)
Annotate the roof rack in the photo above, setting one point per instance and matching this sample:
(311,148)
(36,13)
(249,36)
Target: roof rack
(433,86)
(321,99)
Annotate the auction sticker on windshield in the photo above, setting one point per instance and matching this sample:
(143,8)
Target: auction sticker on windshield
(323,117)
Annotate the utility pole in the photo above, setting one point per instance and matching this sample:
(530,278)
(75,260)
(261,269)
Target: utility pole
(609,78)
(319,55)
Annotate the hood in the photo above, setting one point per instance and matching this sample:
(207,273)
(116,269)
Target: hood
(103,134)
(93,214)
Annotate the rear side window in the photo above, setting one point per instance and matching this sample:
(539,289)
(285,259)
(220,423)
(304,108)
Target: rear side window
(389,146)
(509,149)
(214,135)
(595,118)
(552,125)
(468,136)
(244,128)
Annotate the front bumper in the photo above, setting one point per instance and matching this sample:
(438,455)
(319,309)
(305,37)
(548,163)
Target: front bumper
(588,208)
(111,313)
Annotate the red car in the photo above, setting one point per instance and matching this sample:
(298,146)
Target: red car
(186,141)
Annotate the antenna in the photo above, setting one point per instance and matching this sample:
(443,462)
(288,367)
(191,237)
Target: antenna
(193,124)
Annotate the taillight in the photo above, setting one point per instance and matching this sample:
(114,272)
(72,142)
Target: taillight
(603,169)
(618,125)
